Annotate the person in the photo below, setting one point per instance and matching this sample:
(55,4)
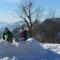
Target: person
(16,35)
(7,35)
(21,34)
(25,35)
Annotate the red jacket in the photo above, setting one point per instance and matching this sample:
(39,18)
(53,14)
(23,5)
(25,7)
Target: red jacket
(21,34)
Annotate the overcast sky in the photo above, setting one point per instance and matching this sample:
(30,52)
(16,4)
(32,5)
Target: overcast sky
(8,7)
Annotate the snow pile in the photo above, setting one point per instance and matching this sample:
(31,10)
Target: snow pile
(26,50)
(52,47)
(7,58)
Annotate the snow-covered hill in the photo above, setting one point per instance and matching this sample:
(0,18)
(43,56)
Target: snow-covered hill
(28,50)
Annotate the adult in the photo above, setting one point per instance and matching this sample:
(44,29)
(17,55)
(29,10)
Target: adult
(7,35)
(21,34)
(25,35)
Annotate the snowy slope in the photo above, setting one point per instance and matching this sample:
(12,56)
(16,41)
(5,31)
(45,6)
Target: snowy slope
(28,50)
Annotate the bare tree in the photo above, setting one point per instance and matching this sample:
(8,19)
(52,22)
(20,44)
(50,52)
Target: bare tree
(30,13)
(51,14)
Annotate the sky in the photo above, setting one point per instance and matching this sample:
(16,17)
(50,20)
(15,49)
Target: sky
(8,7)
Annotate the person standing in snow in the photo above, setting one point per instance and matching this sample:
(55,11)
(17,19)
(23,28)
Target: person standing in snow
(25,35)
(21,34)
(7,35)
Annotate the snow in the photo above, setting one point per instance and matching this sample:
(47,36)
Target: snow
(28,50)
(53,47)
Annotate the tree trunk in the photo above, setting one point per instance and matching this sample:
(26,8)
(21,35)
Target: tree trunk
(30,33)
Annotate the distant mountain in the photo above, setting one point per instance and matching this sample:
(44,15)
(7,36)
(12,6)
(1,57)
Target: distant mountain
(12,26)
(15,25)
(3,24)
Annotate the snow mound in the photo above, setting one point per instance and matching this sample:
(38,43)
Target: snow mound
(25,50)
